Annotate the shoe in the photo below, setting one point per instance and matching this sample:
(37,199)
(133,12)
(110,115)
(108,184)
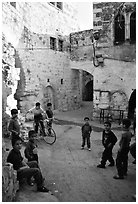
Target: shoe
(111,164)
(89,149)
(118,177)
(42,189)
(101,166)
(82,147)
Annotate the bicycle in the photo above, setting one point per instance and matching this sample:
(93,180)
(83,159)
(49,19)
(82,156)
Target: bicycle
(50,135)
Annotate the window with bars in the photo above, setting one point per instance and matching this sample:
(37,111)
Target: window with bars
(60,45)
(13,4)
(58,5)
(52,43)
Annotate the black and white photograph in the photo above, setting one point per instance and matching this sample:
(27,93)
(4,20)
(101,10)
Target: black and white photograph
(68,101)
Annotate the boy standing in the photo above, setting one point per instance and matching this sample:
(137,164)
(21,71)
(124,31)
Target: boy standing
(108,140)
(49,113)
(31,148)
(38,116)
(86,131)
(122,155)
(14,126)
(25,170)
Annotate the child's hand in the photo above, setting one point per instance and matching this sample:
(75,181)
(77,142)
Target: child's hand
(35,150)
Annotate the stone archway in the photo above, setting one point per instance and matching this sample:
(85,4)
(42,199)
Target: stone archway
(118,100)
(48,96)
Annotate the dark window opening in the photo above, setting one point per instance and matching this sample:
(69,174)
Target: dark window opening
(13,4)
(99,14)
(48,80)
(60,45)
(52,43)
(52,3)
(59,5)
(133,27)
(119,29)
(61,81)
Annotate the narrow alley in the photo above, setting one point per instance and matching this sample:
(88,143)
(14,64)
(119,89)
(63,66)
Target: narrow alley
(71,173)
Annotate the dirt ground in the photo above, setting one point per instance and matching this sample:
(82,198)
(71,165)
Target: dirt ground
(71,173)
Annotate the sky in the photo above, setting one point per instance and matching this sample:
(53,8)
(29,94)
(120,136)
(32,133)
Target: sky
(85,15)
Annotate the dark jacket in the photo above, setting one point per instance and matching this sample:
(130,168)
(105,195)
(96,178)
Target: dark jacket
(15,158)
(86,130)
(29,152)
(49,113)
(108,138)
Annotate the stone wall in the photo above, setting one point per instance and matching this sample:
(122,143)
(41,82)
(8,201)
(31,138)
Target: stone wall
(10,184)
(45,73)
(116,80)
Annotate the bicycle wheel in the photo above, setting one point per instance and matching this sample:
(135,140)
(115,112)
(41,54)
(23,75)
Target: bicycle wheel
(50,138)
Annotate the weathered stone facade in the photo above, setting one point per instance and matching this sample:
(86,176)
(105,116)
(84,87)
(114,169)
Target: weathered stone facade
(114,82)
(45,73)
(54,74)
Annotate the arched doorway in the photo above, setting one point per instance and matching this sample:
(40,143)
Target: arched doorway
(119,29)
(88,91)
(132,104)
(133,27)
(87,86)
(48,96)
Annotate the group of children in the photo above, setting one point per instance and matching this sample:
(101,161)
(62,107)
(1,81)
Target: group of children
(109,140)
(30,168)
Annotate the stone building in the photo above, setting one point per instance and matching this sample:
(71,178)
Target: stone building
(39,34)
(60,64)
(107,56)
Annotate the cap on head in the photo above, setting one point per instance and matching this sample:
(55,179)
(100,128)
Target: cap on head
(49,104)
(14,111)
(31,132)
(37,104)
(108,123)
(86,118)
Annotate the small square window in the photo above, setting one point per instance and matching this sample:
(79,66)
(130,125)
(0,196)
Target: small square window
(61,81)
(60,45)
(52,43)
(59,5)
(13,4)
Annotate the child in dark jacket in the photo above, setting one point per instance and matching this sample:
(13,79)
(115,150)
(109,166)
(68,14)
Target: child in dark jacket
(31,148)
(14,126)
(122,155)
(108,140)
(86,131)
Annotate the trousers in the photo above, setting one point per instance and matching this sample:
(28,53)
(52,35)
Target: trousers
(122,161)
(34,171)
(86,139)
(107,155)
(37,122)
